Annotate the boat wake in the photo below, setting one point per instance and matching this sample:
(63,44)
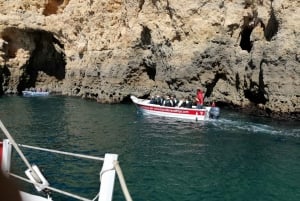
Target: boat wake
(230,123)
(249,127)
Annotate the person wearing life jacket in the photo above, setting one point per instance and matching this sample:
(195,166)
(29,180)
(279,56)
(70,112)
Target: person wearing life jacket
(158,100)
(199,99)
(188,102)
(174,101)
(168,102)
(181,103)
(161,100)
(152,100)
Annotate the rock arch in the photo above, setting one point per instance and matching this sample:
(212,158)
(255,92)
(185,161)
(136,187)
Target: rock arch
(250,22)
(39,51)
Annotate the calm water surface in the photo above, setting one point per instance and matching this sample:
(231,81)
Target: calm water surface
(236,158)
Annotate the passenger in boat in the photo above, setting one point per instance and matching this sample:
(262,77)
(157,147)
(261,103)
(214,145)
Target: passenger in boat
(189,102)
(199,99)
(174,100)
(152,100)
(168,102)
(159,100)
(182,103)
(186,103)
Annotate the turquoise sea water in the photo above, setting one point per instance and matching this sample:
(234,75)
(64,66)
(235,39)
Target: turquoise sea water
(235,158)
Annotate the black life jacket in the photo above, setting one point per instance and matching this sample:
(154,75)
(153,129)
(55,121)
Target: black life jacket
(189,104)
(153,100)
(158,100)
(175,102)
(168,103)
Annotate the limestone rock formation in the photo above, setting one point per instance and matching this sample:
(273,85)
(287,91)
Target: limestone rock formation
(244,54)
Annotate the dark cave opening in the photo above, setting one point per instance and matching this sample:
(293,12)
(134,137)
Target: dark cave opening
(9,47)
(246,43)
(146,36)
(126,100)
(150,67)
(255,96)
(210,86)
(270,30)
(48,57)
(272,26)
(141,4)
(256,93)
(151,72)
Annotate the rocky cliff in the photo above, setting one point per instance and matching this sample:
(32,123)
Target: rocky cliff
(243,53)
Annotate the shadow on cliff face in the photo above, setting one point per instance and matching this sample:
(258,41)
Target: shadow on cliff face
(4,74)
(250,22)
(272,26)
(46,54)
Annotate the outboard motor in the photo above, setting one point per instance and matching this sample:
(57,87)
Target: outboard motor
(214,112)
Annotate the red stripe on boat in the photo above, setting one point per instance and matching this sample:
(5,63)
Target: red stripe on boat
(173,110)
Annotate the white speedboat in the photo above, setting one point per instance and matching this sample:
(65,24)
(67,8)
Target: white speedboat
(193,113)
(35,93)
(42,184)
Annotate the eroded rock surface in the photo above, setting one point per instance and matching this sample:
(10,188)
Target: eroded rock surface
(242,53)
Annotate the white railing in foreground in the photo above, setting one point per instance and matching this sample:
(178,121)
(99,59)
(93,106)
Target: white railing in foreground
(107,174)
(50,188)
(107,177)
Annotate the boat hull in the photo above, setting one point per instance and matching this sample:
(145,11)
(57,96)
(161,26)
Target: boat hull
(173,112)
